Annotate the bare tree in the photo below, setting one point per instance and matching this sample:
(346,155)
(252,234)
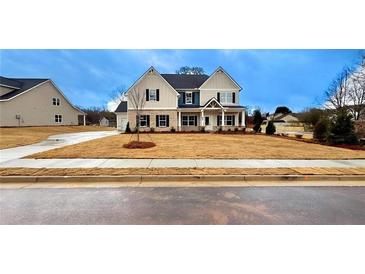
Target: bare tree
(337,94)
(357,91)
(190,70)
(137,100)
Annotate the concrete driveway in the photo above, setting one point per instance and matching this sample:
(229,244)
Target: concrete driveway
(200,205)
(52,142)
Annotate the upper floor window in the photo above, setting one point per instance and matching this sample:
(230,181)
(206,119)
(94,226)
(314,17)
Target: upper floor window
(226,97)
(153,96)
(56,101)
(188,97)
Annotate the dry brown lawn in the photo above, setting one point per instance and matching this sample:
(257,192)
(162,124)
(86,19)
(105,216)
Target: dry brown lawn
(13,137)
(202,146)
(177,171)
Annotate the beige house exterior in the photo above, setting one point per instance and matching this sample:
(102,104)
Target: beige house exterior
(35,102)
(182,102)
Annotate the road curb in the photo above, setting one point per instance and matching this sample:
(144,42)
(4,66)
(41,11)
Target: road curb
(179,178)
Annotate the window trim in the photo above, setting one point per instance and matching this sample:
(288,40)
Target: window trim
(227,96)
(143,120)
(150,93)
(165,120)
(58,118)
(186,97)
(188,120)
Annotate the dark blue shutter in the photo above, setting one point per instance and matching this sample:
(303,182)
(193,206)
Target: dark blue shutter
(196,98)
(183,97)
(157,95)
(167,120)
(233,120)
(195,120)
(157,119)
(233,97)
(193,99)
(148,120)
(219,97)
(147,94)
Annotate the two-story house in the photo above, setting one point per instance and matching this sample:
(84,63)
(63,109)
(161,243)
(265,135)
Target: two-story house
(183,102)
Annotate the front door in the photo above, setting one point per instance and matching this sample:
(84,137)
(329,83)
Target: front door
(208,125)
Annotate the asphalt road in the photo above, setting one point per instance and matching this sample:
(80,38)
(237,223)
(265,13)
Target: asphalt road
(172,205)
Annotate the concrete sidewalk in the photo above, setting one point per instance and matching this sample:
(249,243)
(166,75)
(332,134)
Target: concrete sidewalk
(177,163)
(54,141)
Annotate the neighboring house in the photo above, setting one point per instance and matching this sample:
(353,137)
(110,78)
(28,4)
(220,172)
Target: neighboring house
(287,122)
(108,119)
(35,102)
(104,122)
(184,102)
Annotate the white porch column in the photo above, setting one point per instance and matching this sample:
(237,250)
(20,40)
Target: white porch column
(236,119)
(179,120)
(84,120)
(202,119)
(222,117)
(243,118)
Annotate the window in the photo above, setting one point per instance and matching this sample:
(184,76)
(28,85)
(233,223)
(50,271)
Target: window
(143,121)
(162,121)
(229,120)
(189,120)
(185,120)
(188,97)
(153,96)
(56,101)
(58,118)
(226,97)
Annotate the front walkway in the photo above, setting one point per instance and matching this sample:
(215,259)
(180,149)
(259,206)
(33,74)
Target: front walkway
(177,163)
(52,142)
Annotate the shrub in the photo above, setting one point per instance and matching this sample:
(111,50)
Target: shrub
(236,129)
(270,129)
(127,129)
(152,129)
(172,129)
(257,120)
(220,129)
(320,131)
(342,129)
(299,136)
(202,129)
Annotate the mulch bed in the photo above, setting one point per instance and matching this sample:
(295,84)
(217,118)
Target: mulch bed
(139,145)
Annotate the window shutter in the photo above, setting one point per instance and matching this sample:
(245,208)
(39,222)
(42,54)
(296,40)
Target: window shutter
(219,97)
(157,95)
(167,120)
(157,119)
(233,97)
(195,120)
(184,102)
(193,99)
(147,94)
(233,119)
(148,120)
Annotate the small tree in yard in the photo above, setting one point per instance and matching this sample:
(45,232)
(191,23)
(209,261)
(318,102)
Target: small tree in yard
(137,99)
(257,120)
(270,128)
(342,130)
(320,131)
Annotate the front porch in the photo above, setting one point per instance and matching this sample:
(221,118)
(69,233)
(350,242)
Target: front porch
(212,117)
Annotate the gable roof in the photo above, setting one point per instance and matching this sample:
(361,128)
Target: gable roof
(144,74)
(185,81)
(213,99)
(19,85)
(122,107)
(229,76)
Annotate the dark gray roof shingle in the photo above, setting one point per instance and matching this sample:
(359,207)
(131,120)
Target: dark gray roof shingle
(122,107)
(19,84)
(185,81)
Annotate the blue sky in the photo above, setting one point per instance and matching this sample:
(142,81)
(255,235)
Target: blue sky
(295,78)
